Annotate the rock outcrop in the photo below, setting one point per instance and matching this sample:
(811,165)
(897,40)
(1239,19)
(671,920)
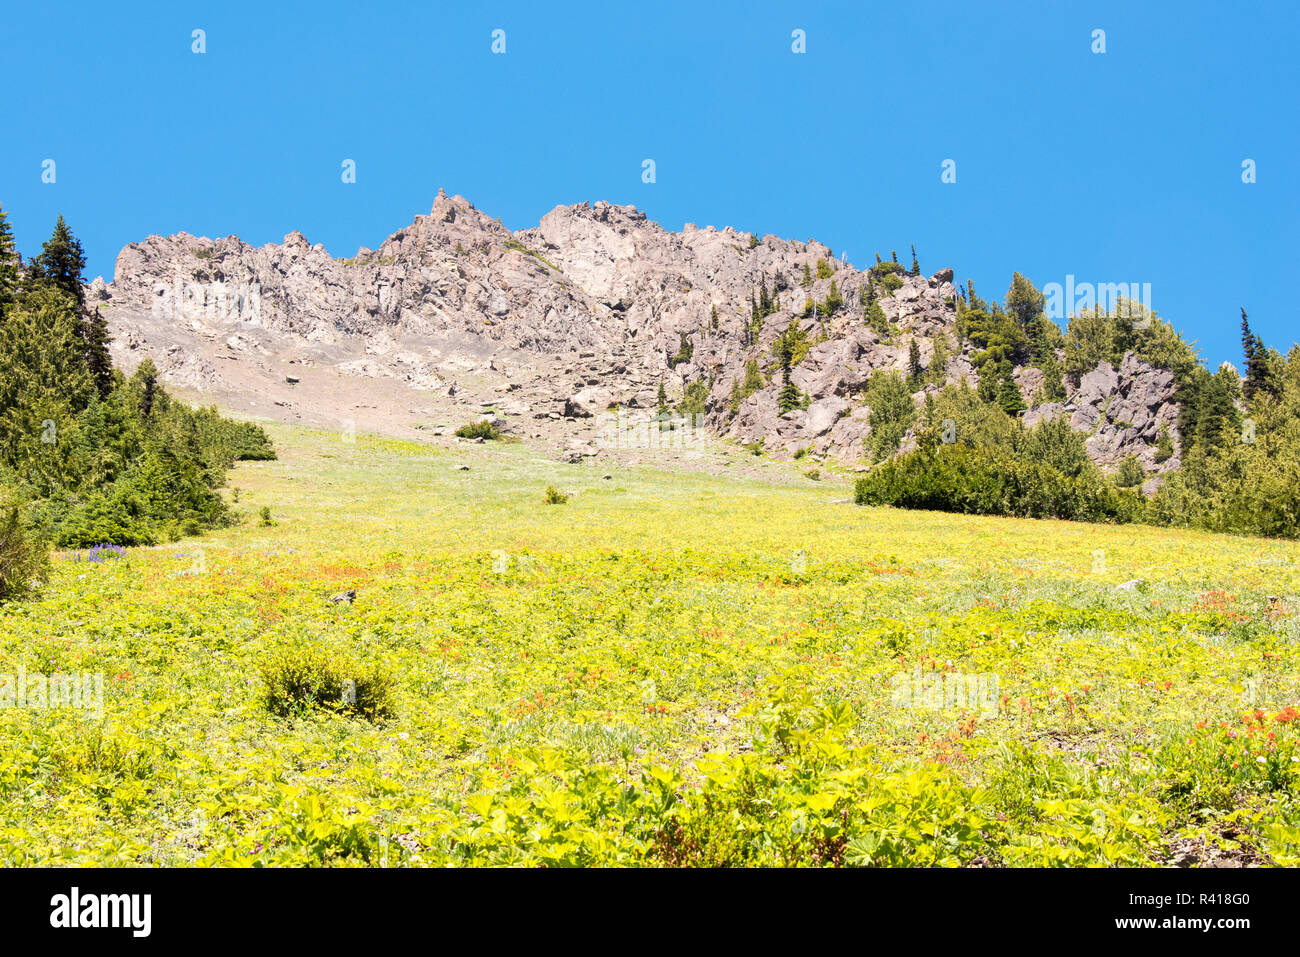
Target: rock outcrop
(592,310)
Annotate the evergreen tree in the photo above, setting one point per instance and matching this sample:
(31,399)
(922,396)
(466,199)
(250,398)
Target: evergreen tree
(893,256)
(1024,302)
(44,384)
(807,276)
(914,371)
(661,401)
(144,385)
(916,267)
(1259,367)
(1009,397)
(833,300)
(93,329)
(789,397)
(8,266)
(877,321)
(61,262)
(1247,343)
(59,266)
(1217,422)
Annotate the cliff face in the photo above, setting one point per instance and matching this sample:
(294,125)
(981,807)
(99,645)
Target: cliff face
(555,325)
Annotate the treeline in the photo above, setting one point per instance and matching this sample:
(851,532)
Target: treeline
(88,455)
(1238,435)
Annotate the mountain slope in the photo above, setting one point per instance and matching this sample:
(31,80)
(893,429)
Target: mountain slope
(596,307)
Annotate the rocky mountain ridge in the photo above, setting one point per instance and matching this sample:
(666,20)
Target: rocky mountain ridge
(550,327)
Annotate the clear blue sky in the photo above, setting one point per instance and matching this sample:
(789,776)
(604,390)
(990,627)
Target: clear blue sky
(1115,167)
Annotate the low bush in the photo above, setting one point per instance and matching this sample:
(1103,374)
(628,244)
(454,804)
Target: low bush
(989,481)
(301,679)
(484,429)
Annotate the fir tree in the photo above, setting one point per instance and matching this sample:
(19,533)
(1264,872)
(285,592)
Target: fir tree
(734,402)
(833,299)
(1259,371)
(61,262)
(8,266)
(916,267)
(914,371)
(93,329)
(877,321)
(1008,393)
(789,397)
(1024,302)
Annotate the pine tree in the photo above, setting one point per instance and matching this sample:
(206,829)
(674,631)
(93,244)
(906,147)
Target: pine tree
(807,276)
(93,329)
(877,321)
(1247,338)
(789,397)
(44,384)
(1008,393)
(1024,302)
(59,266)
(893,255)
(61,262)
(713,317)
(8,265)
(734,402)
(914,371)
(916,267)
(1259,369)
(833,299)
(661,401)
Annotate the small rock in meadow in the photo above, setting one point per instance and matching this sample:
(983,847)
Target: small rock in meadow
(348,596)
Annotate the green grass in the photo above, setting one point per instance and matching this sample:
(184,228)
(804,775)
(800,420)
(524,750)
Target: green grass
(671,669)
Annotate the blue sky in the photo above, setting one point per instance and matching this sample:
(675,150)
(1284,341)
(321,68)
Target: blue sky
(1115,167)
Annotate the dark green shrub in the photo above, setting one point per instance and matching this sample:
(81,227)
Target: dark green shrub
(484,429)
(298,680)
(990,481)
(554,496)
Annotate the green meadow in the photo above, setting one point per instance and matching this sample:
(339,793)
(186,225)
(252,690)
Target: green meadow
(670,668)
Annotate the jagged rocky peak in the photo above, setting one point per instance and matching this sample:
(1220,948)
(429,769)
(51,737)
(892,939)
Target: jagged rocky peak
(595,307)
